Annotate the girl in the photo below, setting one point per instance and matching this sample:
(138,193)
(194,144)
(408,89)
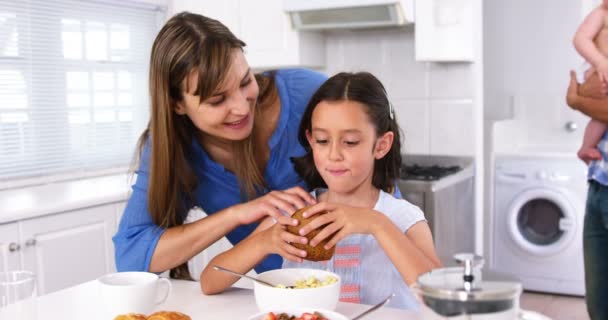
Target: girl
(353,158)
(218,135)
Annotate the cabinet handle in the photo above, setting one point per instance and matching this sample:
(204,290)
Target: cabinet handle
(12,247)
(30,242)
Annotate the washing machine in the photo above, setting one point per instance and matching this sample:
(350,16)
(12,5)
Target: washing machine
(539,206)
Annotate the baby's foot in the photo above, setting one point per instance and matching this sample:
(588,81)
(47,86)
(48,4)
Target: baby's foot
(588,154)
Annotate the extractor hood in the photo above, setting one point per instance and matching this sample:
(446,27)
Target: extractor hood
(350,14)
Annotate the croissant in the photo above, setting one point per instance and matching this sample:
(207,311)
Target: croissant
(160,315)
(130,316)
(168,315)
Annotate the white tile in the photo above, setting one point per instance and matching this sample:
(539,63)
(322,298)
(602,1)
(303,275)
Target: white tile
(452,128)
(451,81)
(413,118)
(406,78)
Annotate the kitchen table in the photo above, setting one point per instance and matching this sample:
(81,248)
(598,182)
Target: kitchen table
(82,302)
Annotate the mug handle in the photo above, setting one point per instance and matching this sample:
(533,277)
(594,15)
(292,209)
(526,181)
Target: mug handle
(167,290)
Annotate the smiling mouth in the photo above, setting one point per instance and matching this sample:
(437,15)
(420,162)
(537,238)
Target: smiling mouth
(239,123)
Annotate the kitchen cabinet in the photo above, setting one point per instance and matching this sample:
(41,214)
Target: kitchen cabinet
(444,30)
(10,247)
(62,249)
(266,29)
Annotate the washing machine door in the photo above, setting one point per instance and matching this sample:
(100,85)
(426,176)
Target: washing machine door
(541,221)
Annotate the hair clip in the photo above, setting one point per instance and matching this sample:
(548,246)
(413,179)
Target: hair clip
(391,111)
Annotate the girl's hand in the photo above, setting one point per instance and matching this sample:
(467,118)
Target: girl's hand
(340,221)
(271,203)
(278,240)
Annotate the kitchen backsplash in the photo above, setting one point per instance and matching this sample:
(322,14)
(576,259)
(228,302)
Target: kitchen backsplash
(433,101)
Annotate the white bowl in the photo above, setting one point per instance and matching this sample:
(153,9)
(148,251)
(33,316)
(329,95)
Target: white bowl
(330,315)
(271,298)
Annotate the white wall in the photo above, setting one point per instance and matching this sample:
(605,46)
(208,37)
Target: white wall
(527,54)
(433,101)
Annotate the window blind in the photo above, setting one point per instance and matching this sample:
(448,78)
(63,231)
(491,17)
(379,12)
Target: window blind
(73,84)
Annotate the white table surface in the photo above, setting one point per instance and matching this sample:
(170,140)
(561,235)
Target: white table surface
(82,302)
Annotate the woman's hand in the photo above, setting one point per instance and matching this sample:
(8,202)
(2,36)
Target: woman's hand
(593,87)
(572,93)
(272,203)
(277,239)
(340,221)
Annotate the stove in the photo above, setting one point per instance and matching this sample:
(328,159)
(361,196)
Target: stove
(443,187)
(427,172)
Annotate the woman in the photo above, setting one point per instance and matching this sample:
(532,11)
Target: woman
(219,138)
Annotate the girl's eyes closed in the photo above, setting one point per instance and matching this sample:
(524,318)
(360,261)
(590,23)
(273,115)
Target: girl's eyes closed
(351,142)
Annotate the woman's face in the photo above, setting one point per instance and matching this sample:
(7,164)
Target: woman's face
(344,151)
(228,113)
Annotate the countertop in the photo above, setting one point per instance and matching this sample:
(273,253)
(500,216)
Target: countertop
(30,202)
(83,302)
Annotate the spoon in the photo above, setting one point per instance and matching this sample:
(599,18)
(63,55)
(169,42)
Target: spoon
(374,308)
(216,267)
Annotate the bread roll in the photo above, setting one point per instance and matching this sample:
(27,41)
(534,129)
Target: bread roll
(318,252)
(130,316)
(168,315)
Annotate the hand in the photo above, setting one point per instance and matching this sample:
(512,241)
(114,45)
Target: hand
(271,203)
(592,87)
(602,72)
(278,240)
(572,93)
(340,221)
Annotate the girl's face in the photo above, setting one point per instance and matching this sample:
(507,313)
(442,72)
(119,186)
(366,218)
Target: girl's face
(345,145)
(228,113)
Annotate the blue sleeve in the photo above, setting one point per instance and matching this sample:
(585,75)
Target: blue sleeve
(137,234)
(302,84)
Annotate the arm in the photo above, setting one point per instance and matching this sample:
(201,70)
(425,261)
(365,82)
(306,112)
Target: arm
(268,238)
(586,33)
(412,252)
(592,107)
(141,245)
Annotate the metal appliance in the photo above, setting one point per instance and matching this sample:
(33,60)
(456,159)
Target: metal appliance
(443,187)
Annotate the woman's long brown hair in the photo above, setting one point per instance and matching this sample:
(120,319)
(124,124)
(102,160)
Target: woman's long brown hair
(186,43)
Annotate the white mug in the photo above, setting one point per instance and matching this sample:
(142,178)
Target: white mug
(132,292)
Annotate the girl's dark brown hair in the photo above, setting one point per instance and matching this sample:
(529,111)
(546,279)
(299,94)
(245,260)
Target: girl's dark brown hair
(366,89)
(187,43)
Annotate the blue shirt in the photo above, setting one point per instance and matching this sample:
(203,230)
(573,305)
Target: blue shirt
(218,188)
(598,169)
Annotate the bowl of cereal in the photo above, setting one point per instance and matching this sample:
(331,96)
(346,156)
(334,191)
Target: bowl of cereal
(297,288)
(297,314)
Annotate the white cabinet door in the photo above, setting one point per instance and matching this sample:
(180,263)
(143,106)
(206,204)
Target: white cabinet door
(69,248)
(10,247)
(444,30)
(265,28)
(271,41)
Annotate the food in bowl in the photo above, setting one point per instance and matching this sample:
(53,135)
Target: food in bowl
(160,315)
(310,282)
(297,314)
(268,298)
(318,252)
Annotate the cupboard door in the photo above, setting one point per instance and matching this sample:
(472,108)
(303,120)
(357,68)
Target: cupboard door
(69,248)
(10,247)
